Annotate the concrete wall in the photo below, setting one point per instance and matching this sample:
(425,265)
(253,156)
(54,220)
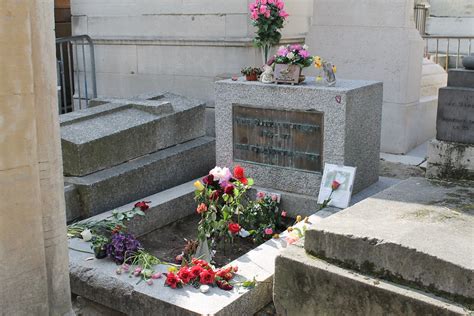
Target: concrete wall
(180,46)
(451,17)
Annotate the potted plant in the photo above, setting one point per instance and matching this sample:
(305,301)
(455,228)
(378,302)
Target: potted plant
(251,73)
(289,61)
(99,244)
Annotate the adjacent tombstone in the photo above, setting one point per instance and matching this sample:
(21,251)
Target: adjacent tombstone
(451,154)
(284,134)
(377,40)
(120,150)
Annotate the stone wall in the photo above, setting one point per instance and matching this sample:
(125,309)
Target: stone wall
(174,45)
(451,17)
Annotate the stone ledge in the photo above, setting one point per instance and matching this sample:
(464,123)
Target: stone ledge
(450,160)
(415,233)
(183,41)
(325,289)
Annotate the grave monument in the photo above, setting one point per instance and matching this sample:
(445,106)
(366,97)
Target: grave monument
(451,154)
(120,150)
(283,135)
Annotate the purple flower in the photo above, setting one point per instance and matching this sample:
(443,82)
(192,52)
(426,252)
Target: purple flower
(122,246)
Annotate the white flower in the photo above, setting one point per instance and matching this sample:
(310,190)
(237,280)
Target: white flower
(243,233)
(305,47)
(290,55)
(221,174)
(86,235)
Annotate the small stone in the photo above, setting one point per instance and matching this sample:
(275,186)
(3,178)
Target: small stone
(204,288)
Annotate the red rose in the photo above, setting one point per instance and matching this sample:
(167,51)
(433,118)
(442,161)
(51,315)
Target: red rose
(201,263)
(143,205)
(185,275)
(172,280)
(206,277)
(196,271)
(239,174)
(225,274)
(208,180)
(229,189)
(335,185)
(224,285)
(234,228)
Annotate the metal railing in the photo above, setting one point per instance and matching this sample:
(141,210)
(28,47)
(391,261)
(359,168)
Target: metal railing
(442,47)
(76,72)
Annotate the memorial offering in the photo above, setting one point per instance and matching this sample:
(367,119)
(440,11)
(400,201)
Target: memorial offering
(336,186)
(289,61)
(251,73)
(268,17)
(327,71)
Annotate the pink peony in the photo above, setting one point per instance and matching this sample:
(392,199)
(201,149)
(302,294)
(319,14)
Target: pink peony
(254,15)
(263,1)
(267,14)
(263,9)
(282,51)
(303,53)
(271,1)
(268,231)
(283,14)
(280,4)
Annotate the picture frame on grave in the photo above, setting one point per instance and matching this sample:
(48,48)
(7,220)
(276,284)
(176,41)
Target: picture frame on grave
(345,176)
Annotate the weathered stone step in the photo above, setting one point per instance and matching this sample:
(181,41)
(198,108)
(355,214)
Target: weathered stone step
(135,179)
(305,285)
(418,232)
(118,130)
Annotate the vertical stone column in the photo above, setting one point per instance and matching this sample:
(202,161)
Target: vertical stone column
(377,40)
(33,248)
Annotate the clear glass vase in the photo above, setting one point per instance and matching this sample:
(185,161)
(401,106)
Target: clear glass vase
(265,49)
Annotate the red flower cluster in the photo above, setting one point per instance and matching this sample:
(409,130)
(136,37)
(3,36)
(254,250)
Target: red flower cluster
(143,205)
(201,273)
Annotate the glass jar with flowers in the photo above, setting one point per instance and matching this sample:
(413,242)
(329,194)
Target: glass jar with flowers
(289,61)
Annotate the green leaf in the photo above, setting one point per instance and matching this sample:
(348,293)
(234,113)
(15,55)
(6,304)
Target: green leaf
(249,182)
(140,212)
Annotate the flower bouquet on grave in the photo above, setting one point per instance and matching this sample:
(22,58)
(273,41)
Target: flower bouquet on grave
(268,16)
(219,197)
(289,62)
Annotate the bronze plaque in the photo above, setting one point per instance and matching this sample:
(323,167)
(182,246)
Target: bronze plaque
(290,139)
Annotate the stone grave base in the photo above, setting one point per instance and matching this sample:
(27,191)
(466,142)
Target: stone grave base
(96,280)
(416,234)
(450,160)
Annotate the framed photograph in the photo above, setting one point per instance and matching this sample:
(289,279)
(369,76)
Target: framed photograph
(336,185)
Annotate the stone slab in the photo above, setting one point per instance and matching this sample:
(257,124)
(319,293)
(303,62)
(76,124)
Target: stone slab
(73,203)
(118,185)
(117,130)
(455,119)
(352,119)
(450,160)
(461,78)
(96,280)
(305,285)
(418,232)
